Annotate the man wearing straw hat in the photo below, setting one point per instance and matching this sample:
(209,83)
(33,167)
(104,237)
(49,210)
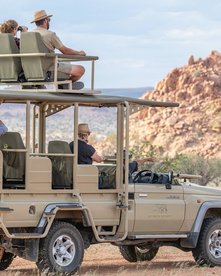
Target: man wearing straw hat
(86,153)
(52,42)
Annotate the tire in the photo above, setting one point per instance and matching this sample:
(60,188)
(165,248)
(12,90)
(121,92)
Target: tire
(128,252)
(208,249)
(145,254)
(6,260)
(135,253)
(62,251)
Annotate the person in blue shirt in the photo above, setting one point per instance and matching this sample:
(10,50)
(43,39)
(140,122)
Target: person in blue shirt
(3,128)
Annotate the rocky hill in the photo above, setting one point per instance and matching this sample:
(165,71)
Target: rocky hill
(195,126)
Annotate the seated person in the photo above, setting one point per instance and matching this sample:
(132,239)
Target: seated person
(3,128)
(11,27)
(86,153)
(52,42)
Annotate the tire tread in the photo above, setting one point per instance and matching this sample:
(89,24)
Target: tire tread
(128,253)
(43,263)
(200,253)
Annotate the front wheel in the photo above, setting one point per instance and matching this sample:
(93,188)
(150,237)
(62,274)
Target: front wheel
(208,249)
(62,250)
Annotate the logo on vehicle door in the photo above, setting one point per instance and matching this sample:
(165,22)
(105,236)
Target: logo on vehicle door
(161,210)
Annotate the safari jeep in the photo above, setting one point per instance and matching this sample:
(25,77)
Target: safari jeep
(52,208)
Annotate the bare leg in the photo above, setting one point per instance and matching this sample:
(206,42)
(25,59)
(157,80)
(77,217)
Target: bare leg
(77,72)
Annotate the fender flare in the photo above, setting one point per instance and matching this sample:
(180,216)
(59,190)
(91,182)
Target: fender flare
(51,210)
(192,239)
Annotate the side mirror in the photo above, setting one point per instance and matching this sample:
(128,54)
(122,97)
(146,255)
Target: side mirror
(168,185)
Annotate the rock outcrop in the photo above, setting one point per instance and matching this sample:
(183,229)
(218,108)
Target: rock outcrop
(195,126)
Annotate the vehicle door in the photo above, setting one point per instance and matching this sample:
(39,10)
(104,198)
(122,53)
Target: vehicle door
(101,197)
(158,209)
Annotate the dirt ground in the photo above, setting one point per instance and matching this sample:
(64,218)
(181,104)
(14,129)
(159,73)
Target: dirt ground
(106,260)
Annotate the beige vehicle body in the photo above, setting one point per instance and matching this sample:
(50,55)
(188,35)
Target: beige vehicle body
(52,208)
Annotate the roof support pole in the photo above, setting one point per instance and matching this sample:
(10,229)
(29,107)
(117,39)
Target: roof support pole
(42,134)
(75,138)
(27,143)
(92,75)
(119,157)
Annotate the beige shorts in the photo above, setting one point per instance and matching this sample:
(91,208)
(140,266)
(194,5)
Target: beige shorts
(64,67)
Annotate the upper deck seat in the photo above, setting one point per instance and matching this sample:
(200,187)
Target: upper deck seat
(10,67)
(62,166)
(13,162)
(37,68)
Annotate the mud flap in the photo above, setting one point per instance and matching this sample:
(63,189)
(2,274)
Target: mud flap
(31,249)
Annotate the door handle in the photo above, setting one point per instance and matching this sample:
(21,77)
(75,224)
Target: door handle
(142,195)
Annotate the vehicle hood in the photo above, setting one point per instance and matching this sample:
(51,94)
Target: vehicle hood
(192,188)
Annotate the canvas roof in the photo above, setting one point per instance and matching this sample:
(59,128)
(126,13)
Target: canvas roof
(21,96)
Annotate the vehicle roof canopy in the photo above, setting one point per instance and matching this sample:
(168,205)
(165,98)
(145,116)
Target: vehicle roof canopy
(19,96)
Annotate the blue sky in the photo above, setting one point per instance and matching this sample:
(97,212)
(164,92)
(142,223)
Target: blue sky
(138,41)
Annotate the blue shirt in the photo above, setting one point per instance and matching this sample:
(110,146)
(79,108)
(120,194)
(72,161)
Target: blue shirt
(3,129)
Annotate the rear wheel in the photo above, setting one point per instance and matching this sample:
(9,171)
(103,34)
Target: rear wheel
(208,249)
(135,253)
(144,253)
(128,252)
(62,250)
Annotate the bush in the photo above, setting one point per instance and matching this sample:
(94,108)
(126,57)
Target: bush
(209,169)
(188,164)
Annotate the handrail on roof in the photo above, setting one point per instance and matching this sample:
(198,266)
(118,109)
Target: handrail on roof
(52,55)
(55,82)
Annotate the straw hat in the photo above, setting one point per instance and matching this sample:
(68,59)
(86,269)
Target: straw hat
(39,15)
(84,129)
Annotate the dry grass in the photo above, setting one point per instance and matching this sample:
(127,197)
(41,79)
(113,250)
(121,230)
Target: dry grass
(106,260)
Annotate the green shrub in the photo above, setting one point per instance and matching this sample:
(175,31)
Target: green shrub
(209,169)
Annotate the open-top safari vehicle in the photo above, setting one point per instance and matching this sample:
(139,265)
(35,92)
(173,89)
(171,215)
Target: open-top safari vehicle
(52,208)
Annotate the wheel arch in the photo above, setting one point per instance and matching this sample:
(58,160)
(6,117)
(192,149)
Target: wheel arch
(73,212)
(207,209)
(76,216)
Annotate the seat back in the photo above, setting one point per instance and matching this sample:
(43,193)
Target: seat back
(10,67)
(35,68)
(13,162)
(62,166)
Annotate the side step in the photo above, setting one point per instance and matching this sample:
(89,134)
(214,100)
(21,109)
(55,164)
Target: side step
(160,236)
(31,235)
